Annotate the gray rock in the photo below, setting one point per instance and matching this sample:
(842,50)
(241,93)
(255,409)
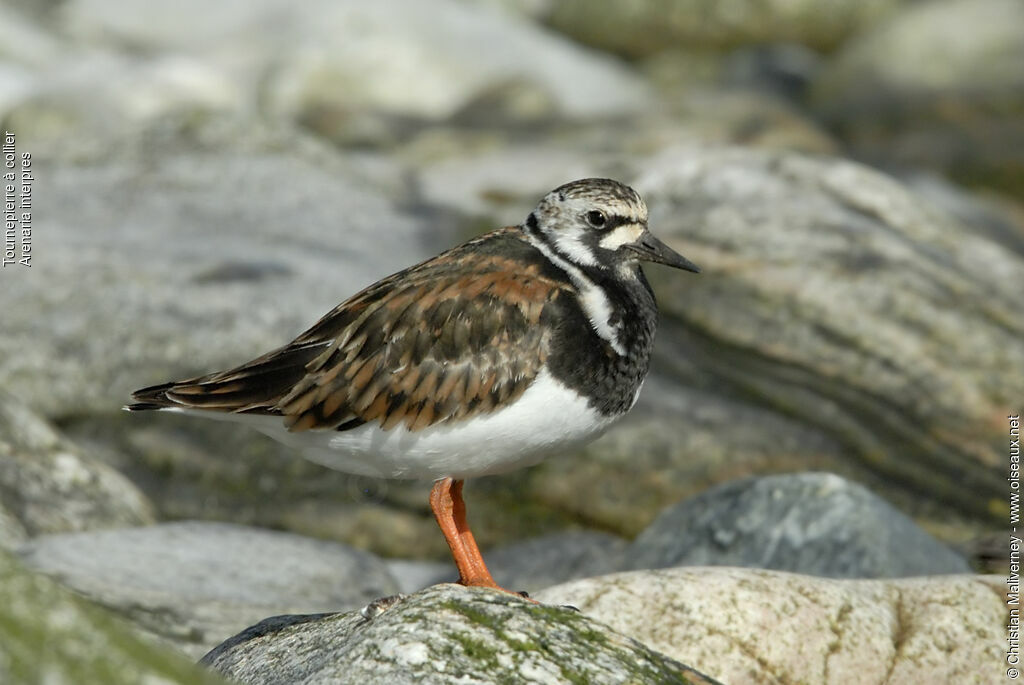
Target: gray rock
(195,468)
(999,218)
(29,43)
(466,52)
(767,627)
(57,86)
(940,85)
(833,296)
(108,93)
(335,60)
(682,438)
(412,575)
(843,322)
(750,349)
(441,635)
(642,27)
(194,583)
(528,565)
(12,533)
(48,635)
(48,484)
(191,247)
(172,253)
(476,175)
(211,470)
(812,523)
(535,564)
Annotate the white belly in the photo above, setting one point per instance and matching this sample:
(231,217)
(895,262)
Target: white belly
(547,418)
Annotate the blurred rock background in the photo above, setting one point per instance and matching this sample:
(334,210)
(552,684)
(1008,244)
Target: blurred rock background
(213,178)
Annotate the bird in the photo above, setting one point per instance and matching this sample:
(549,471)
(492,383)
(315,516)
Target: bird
(518,344)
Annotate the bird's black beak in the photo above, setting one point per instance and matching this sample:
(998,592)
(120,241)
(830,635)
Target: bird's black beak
(651,249)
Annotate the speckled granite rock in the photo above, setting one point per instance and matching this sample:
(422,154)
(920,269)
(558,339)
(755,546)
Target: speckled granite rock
(747,626)
(194,583)
(48,484)
(48,635)
(811,523)
(444,634)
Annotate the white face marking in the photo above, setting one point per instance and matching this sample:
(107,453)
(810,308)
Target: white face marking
(591,297)
(623,235)
(570,242)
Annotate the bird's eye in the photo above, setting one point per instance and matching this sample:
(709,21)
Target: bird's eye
(596,219)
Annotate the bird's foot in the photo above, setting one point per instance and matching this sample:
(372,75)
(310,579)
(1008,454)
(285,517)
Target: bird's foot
(488,582)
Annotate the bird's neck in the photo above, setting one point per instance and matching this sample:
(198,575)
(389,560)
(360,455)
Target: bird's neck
(619,304)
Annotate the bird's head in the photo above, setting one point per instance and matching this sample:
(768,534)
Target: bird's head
(600,223)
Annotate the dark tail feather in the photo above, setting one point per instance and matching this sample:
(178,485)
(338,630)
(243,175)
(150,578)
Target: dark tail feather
(153,397)
(254,387)
(143,406)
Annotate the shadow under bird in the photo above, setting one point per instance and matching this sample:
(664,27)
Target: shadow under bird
(520,343)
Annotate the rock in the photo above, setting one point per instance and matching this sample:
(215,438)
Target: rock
(412,575)
(535,564)
(107,93)
(999,218)
(335,61)
(59,90)
(48,484)
(678,441)
(811,523)
(211,470)
(171,253)
(820,385)
(29,44)
(641,27)
(939,85)
(842,323)
(500,182)
(503,185)
(12,533)
(444,634)
(194,583)
(836,298)
(747,626)
(468,52)
(48,635)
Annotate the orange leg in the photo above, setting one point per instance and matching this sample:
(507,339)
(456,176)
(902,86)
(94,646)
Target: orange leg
(450,512)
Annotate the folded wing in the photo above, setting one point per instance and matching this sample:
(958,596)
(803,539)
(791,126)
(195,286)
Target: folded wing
(444,340)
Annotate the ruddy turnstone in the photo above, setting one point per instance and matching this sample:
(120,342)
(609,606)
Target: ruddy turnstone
(525,341)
